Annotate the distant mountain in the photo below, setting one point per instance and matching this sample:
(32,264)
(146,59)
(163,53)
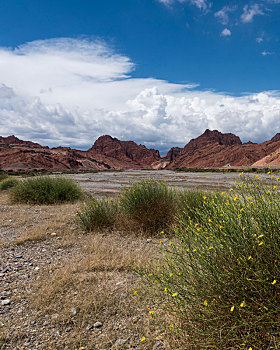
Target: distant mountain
(212,149)
(215,150)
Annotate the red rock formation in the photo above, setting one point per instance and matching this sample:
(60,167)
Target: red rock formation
(123,154)
(215,150)
(12,141)
(210,150)
(106,153)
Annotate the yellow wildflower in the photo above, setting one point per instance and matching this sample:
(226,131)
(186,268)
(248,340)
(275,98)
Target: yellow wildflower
(260,236)
(205,303)
(232,308)
(210,248)
(174,294)
(261,243)
(242,304)
(135,292)
(151,312)
(249,258)
(273,282)
(171,275)
(142,339)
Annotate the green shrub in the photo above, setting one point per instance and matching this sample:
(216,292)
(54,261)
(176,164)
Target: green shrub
(8,183)
(3,176)
(97,214)
(220,283)
(192,201)
(46,190)
(150,203)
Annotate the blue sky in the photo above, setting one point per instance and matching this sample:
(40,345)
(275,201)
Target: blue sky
(155,71)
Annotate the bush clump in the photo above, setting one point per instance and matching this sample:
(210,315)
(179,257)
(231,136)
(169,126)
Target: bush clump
(3,176)
(8,183)
(220,283)
(149,203)
(98,213)
(46,190)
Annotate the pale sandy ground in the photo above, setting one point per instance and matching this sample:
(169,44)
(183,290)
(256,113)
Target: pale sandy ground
(111,182)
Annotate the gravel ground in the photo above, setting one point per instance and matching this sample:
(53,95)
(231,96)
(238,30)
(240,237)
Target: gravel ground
(26,265)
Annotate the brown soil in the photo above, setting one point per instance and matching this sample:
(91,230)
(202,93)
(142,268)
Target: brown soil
(57,282)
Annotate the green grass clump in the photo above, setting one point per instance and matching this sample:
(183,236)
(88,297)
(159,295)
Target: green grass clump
(98,213)
(46,190)
(220,282)
(3,176)
(149,203)
(8,183)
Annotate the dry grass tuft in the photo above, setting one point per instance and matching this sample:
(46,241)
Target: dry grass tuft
(97,285)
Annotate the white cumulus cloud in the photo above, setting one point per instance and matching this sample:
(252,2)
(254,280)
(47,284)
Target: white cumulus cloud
(222,15)
(201,4)
(226,32)
(249,12)
(69,92)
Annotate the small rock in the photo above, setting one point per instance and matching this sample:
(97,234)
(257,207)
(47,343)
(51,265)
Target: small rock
(90,327)
(25,276)
(53,234)
(45,323)
(37,268)
(18,256)
(119,283)
(68,329)
(48,261)
(123,295)
(149,240)
(74,311)
(121,341)
(6,302)
(98,325)
(6,269)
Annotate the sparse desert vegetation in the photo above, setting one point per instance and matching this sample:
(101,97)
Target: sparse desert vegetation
(202,271)
(8,182)
(46,190)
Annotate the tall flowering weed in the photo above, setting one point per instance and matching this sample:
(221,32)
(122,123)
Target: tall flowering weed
(220,278)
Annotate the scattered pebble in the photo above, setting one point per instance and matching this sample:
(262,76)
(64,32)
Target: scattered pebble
(6,302)
(98,325)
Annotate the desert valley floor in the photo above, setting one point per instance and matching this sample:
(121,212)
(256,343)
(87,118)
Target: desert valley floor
(110,183)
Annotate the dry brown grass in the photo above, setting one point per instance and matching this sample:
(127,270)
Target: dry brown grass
(96,283)
(99,285)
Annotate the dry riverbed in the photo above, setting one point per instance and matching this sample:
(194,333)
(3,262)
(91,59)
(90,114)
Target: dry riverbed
(109,183)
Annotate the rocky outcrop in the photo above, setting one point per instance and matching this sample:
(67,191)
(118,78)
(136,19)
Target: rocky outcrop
(106,153)
(212,149)
(14,142)
(123,154)
(215,150)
